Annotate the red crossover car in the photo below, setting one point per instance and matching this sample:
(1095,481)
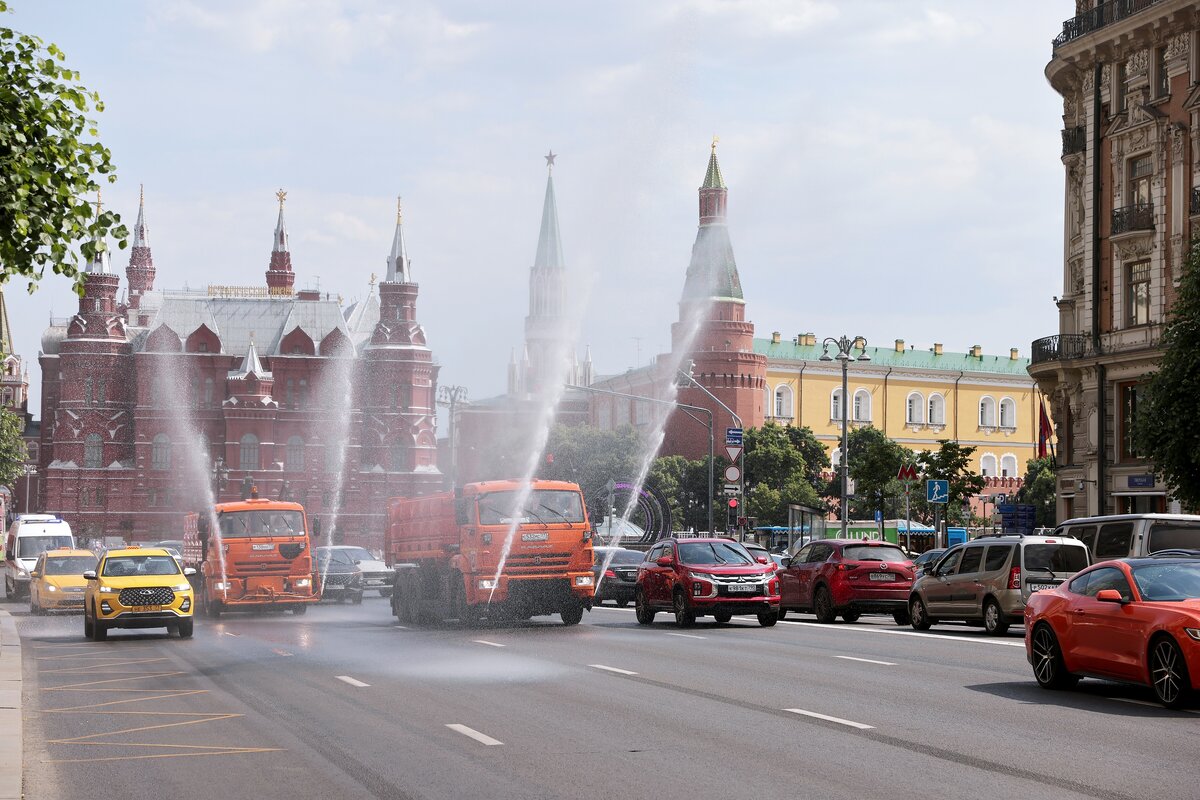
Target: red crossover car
(698,577)
(1135,620)
(849,577)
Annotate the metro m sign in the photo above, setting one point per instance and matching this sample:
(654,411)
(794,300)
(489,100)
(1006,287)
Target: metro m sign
(908,472)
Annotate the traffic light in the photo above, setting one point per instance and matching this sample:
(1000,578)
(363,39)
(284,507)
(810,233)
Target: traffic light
(731,519)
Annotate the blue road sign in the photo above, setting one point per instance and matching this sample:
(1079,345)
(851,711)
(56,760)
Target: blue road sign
(937,491)
(878,516)
(733,436)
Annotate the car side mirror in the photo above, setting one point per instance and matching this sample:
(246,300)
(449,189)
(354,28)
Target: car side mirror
(188,571)
(33,573)
(664,561)
(90,575)
(1110,596)
(764,560)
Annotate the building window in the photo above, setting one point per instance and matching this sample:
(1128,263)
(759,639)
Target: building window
(1128,393)
(987,465)
(289,396)
(399,457)
(99,497)
(1118,88)
(835,404)
(194,394)
(160,452)
(915,409)
(202,347)
(1008,413)
(8,397)
(248,452)
(87,392)
(1008,466)
(208,392)
(334,459)
(1138,293)
(1162,84)
(295,454)
(783,402)
(303,401)
(987,413)
(767,400)
(93,451)
(1141,169)
(33,453)
(862,406)
(937,409)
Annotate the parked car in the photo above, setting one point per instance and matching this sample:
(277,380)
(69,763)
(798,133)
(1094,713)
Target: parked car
(619,579)
(847,577)
(138,588)
(1135,620)
(923,561)
(341,579)
(705,576)
(988,580)
(56,582)
(1132,535)
(375,574)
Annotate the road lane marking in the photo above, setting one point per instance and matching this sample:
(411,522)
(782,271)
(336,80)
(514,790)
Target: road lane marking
(1159,706)
(687,635)
(489,644)
(612,669)
(868,661)
(401,627)
(228,633)
(471,733)
(850,723)
(901,633)
(280,652)
(352,681)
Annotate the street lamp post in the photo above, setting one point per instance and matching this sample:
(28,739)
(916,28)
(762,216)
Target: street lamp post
(451,396)
(845,354)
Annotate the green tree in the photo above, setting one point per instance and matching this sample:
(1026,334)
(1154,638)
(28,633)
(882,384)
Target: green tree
(776,474)
(874,462)
(1167,422)
(686,486)
(952,462)
(12,447)
(591,457)
(816,458)
(1039,490)
(49,156)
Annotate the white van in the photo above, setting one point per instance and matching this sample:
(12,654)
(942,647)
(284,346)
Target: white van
(29,536)
(1131,535)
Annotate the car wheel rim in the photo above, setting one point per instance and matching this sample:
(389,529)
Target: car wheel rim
(680,609)
(993,617)
(1165,672)
(1045,654)
(917,612)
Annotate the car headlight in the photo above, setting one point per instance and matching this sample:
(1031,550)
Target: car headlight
(584,580)
(181,587)
(487,583)
(303,582)
(1193,632)
(22,573)
(108,590)
(50,587)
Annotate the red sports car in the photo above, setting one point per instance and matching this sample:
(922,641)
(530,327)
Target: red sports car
(1135,620)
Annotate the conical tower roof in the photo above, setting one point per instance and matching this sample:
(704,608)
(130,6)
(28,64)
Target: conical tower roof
(398,262)
(713,271)
(549,249)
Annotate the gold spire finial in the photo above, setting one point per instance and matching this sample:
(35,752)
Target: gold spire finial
(282,195)
(714,142)
(399,211)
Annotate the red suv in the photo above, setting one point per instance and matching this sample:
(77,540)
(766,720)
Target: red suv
(698,577)
(849,577)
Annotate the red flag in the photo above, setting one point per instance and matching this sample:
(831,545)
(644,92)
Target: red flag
(1045,429)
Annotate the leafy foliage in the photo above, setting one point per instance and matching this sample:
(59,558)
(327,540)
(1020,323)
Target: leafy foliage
(874,462)
(776,473)
(1039,490)
(12,447)
(48,157)
(591,457)
(952,462)
(1167,425)
(683,483)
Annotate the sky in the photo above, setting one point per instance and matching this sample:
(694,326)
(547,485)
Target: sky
(893,165)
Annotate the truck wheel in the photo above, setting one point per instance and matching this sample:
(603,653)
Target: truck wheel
(385,592)
(298,610)
(357,599)
(572,614)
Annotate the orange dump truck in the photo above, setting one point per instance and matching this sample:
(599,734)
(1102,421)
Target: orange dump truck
(449,552)
(260,556)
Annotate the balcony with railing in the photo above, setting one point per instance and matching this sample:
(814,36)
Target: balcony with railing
(1074,140)
(1103,14)
(1063,347)
(1132,219)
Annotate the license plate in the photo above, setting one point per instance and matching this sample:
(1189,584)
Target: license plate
(262,547)
(147,608)
(1037,587)
(745,588)
(534,537)
(882,576)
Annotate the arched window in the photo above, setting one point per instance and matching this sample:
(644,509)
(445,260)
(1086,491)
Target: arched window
(302,402)
(400,457)
(87,391)
(767,405)
(160,452)
(937,409)
(295,454)
(8,397)
(248,452)
(862,406)
(208,392)
(915,412)
(835,404)
(783,401)
(987,465)
(1008,413)
(1008,466)
(93,451)
(987,413)
(33,452)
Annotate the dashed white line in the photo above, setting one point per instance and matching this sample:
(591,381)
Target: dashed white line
(227,633)
(860,629)
(280,652)
(849,723)
(612,669)
(482,738)
(401,627)
(1148,703)
(352,681)
(489,644)
(868,661)
(687,635)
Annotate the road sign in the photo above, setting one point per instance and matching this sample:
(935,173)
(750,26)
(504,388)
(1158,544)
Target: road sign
(734,452)
(732,488)
(733,436)
(878,516)
(733,474)
(937,491)
(908,472)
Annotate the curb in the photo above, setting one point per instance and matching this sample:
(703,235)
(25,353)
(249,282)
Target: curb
(10,708)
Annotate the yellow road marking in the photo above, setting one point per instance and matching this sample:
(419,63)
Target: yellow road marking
(166,696)
(116,680)
(245,751)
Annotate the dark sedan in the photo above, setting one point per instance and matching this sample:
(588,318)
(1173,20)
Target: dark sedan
(615,570)
(926,560)
(341,579)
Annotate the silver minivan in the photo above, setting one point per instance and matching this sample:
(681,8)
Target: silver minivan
(1133,535)
(987,580)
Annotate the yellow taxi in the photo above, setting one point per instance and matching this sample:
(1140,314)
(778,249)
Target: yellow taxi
(138,587)
(56,582)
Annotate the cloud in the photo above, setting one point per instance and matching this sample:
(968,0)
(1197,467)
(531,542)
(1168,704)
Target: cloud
(931,26)
(759,17)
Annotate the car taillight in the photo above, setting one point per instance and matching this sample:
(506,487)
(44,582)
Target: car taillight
(608,573)
(1014,578)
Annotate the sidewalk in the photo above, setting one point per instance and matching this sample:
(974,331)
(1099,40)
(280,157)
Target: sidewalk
(10,709)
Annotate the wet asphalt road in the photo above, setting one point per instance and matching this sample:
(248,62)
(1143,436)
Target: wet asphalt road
(344,703)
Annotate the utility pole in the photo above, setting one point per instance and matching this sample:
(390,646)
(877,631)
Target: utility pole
(451,397)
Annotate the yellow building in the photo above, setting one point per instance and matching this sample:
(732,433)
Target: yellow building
(916,397)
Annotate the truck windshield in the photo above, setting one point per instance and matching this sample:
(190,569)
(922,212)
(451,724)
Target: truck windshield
(267,522)
(34,546)
(1173,536)
(543,505)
